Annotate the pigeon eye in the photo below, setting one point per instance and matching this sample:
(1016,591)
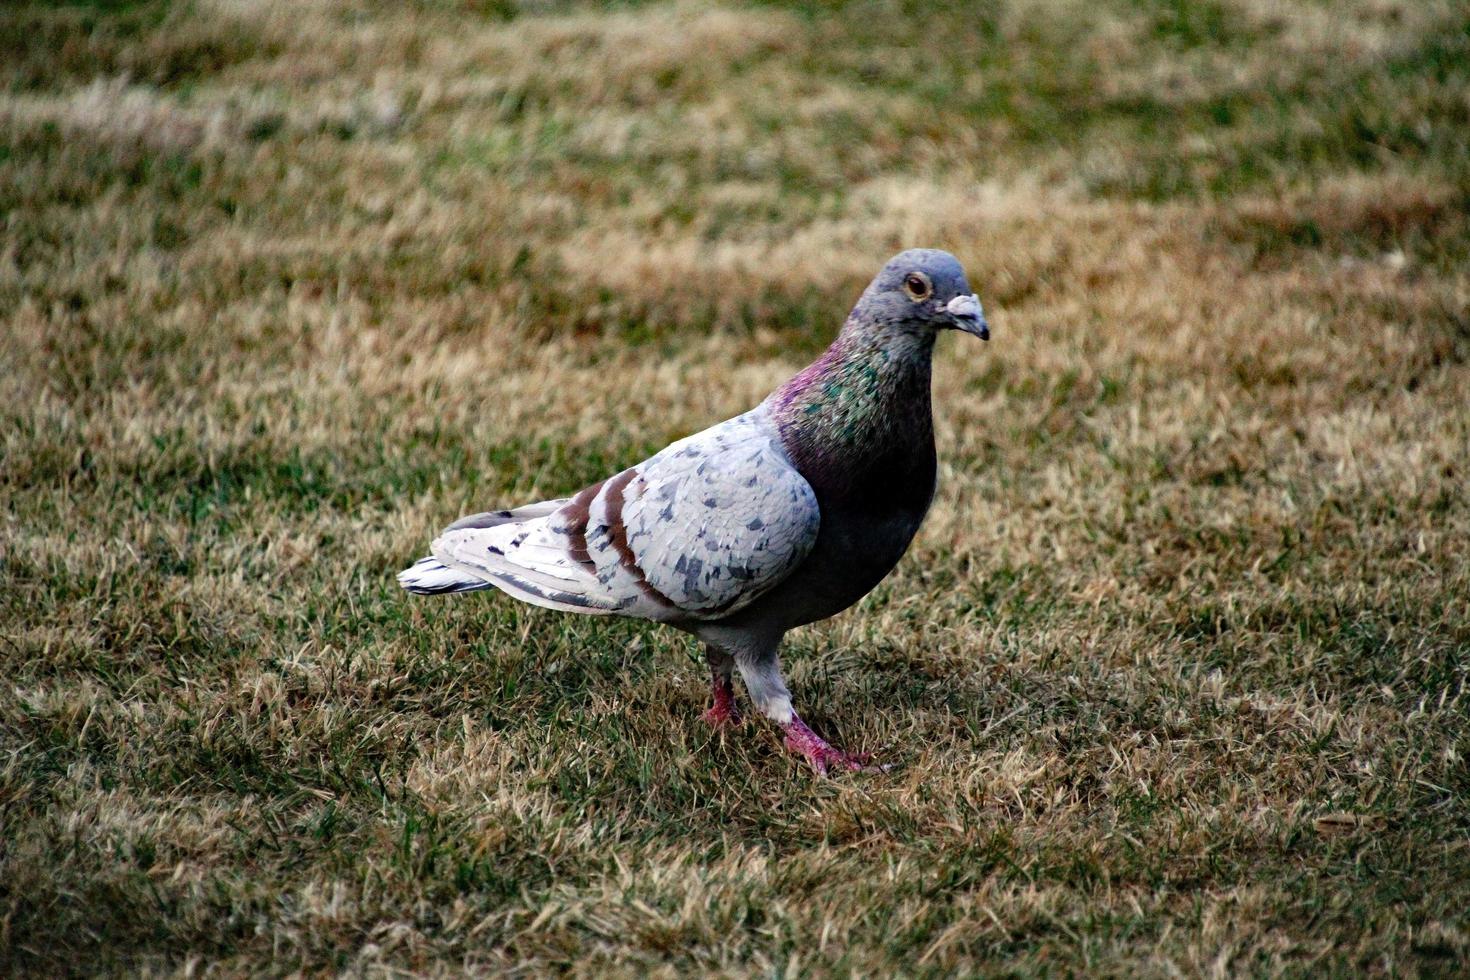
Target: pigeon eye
(918,286)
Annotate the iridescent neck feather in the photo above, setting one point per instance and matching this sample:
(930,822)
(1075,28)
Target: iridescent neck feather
(863,405)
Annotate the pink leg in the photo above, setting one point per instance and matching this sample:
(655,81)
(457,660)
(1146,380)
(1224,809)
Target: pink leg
(802,741)
(723,713)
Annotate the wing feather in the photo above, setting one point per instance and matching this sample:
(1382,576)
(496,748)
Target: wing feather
(697,531)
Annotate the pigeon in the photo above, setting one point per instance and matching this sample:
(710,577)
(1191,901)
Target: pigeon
(782,516)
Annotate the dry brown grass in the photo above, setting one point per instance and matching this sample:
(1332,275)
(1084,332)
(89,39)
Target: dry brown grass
(1174,680)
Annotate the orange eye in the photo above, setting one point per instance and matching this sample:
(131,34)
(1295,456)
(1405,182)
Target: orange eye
(918,286)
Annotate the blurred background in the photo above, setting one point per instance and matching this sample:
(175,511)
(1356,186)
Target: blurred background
(1174,678)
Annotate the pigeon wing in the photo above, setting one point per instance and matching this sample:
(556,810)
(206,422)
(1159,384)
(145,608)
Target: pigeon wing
(695,532)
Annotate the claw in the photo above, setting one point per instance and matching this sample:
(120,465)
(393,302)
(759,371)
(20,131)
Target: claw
(722,717)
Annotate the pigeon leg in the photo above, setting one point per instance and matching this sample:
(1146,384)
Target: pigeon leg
(724,712)
(768,690)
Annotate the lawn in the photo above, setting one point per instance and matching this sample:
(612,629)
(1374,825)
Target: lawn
(1175,680)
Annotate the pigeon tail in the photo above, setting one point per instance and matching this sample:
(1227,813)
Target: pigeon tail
(430,576)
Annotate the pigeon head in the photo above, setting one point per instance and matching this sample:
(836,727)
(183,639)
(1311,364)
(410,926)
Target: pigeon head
(922,289)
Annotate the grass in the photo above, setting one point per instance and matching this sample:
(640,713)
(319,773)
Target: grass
(1173,681)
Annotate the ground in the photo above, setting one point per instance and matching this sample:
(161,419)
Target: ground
(1174,680)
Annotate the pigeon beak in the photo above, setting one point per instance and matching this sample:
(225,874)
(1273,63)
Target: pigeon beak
(966,314)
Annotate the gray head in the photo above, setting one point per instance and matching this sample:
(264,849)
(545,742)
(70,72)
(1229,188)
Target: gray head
(923,289)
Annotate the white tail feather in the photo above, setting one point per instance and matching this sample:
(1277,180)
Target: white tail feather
(430,576)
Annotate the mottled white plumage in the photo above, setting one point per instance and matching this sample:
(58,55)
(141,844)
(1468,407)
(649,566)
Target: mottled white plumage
(698,530)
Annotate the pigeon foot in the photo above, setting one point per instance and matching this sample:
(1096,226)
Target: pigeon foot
(723,713)
(801,740)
